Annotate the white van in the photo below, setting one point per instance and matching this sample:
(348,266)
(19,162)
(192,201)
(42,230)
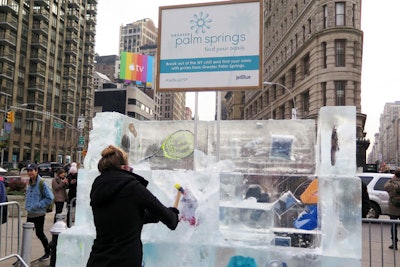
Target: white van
(378,197)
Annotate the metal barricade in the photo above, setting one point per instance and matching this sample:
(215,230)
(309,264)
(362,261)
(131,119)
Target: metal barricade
(71,206)
(10,234)
(376,237)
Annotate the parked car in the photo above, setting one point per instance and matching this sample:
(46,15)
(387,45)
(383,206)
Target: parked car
(9,175)
(379,198)
(49,168)
(8,166)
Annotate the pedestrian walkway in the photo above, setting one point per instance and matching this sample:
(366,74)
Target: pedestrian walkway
(37,248)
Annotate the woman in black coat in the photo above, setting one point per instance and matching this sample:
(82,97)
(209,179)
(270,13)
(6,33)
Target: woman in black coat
(121,204)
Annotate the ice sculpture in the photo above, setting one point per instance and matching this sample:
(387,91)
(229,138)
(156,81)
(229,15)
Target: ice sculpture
(247,202)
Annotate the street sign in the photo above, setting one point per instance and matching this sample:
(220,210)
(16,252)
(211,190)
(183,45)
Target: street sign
(81,141)
(58,125)
(81,122)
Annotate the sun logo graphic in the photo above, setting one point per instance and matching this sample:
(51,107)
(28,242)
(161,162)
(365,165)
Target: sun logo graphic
(200,22)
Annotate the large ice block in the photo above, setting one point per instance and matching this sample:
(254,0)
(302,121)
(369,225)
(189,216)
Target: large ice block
(247,178)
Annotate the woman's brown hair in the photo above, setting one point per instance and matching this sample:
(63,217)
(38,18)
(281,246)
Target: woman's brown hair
(112,158)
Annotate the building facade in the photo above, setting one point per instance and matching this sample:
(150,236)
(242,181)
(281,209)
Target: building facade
(107,66)
(170,106)
(386,146)
(140,37)
(130,101)
(134,35)
(312,58)
(99,80)
(46,77)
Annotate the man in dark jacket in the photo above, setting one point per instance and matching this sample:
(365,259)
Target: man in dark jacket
(393,188)
(365,205)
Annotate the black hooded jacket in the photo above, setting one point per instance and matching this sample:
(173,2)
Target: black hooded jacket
(121,204)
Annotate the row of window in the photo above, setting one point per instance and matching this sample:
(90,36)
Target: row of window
(266,99)
(279,113)
(305,66)
(148,110)
(273,36)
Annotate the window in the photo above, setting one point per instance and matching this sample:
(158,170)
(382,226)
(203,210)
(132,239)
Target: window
(340,15)
(356,92)
(291,47)
(323,92)
(355,47)
(324,55)
(283,80)
(340,53)
(340,93)
(325,20)
(274,92)
(306,102)
(306,65)
(293,76)
(281,111)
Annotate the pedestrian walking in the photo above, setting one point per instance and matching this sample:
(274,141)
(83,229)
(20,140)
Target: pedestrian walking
(38,197)
(365,202)
(121,205)
(72,186)
(393,188)
(60,185)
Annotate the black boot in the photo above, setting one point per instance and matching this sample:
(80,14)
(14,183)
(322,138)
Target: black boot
(46,255)
(393,246)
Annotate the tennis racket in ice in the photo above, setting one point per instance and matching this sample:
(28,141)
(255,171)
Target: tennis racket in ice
(177,145)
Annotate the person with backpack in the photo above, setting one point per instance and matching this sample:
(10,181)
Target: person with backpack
(393,188)
(38,197)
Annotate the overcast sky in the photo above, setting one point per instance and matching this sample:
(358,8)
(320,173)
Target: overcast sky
(381,51)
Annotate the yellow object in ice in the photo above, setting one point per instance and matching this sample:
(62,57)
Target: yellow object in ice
(310,195)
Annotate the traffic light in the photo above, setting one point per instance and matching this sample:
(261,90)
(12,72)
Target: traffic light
(10,117)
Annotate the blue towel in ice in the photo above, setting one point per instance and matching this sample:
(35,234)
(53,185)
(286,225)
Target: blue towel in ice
(241,261)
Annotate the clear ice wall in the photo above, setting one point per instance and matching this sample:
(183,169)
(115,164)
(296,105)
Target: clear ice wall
(249,185)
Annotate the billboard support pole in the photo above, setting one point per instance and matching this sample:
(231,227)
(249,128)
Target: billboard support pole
(196,120)
(219,97)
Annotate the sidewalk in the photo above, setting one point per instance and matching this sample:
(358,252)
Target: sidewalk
(37,250)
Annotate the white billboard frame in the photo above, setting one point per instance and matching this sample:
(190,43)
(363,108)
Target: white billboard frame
(213,46)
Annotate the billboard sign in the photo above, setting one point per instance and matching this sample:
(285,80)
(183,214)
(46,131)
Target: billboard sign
(136,67)
(210,46)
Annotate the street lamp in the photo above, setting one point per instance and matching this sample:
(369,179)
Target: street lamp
(294,109)
(46,113)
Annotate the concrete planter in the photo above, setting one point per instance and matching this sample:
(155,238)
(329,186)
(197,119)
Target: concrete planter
(13,210)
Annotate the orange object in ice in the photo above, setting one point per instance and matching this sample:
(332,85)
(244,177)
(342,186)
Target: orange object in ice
(310,195)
